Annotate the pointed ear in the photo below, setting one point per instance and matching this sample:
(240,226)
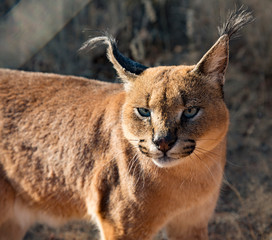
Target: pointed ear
(126,68)
(215,61)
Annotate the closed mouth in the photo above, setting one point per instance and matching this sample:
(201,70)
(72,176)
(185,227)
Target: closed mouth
(165,161)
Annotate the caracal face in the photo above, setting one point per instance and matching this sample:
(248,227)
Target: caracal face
(171,113)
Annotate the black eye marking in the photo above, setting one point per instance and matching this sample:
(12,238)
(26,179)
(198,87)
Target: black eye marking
(189,147)
(143,149)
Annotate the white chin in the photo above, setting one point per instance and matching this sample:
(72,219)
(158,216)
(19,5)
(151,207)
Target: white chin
(166,162)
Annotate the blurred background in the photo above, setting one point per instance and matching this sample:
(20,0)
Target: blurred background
(39,35)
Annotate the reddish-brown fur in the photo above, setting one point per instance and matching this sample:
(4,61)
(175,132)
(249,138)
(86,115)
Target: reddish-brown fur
(72,148)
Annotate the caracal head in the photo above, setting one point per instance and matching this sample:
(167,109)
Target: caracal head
(174,113)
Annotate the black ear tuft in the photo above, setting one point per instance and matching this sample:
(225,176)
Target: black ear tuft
(215,61)
(125,67)
(236,20)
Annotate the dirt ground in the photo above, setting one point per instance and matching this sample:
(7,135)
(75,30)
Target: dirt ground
(179,32)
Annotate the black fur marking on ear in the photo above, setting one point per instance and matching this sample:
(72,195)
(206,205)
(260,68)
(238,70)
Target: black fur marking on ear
(236,20)
(128,64)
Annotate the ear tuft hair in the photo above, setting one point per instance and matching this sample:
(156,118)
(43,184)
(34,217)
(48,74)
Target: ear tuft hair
(236,20)
(125,67)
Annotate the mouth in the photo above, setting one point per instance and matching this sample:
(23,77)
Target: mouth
(169,158)
(165,161)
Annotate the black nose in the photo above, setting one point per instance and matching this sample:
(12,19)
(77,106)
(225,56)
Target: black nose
(165,142)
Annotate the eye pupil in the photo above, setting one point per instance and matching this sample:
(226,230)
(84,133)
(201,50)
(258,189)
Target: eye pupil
(190,112)
(143,112)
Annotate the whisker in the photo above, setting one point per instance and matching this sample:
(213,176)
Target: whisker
(132,162)
(235,190)
(209,155)
(207,167)
(207,151)
(207,139)
(228,161)
(214,161)
(143,177)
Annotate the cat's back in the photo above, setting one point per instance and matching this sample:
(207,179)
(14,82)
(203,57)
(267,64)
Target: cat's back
(37,98)
(44,84)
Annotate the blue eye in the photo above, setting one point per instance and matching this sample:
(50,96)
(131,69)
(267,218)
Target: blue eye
(190,112)
(144,112)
